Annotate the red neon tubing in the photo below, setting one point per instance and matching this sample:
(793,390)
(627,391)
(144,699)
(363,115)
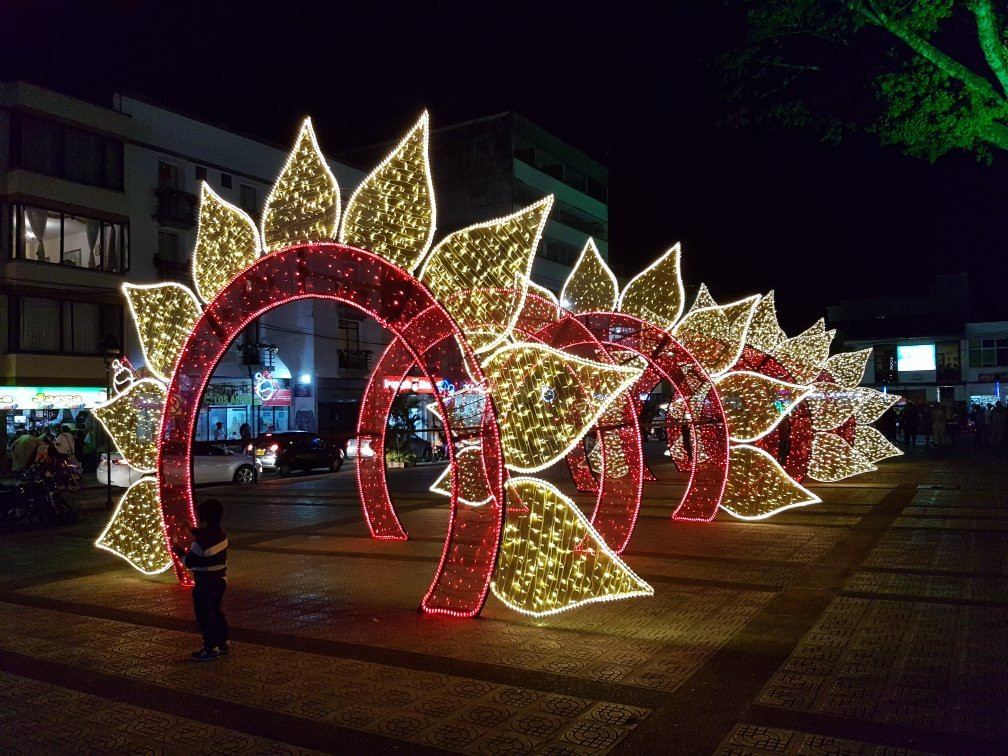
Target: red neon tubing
(402,305)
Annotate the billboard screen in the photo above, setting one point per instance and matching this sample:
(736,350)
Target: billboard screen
(916,357)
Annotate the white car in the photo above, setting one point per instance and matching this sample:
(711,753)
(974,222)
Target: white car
(364,451)
(212,463)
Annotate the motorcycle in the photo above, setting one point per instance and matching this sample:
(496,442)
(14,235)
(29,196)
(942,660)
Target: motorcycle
(67,472)
(35,496)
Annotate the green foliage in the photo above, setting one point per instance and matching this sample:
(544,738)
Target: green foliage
(888,67)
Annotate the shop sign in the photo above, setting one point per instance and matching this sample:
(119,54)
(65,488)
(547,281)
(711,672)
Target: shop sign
(411,383)
(269,392)
(24,398)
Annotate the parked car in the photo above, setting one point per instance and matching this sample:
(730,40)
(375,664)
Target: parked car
(364,449)
(297,450)
(212,463)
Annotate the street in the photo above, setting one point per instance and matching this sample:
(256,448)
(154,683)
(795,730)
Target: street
(872,621)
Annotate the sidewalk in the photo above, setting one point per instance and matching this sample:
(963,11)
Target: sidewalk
(871,623)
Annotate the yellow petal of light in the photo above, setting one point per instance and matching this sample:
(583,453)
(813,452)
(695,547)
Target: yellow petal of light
(163,314)
(872,444)
(834,459)
(551,559)
(764,331)
(818,327)
(539,310)
(753,404)
(703,299)
(831,405)
(304,204)
(804,355)
(133,419)
(547,400)
(226,243)
(758,487)
(136,531)
(847,368)
(716,335)
(473,486)
(392,212)
(656,293)
(591,286)
(873,405)
(491,263)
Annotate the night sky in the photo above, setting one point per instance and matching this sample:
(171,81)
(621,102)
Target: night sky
(637,90)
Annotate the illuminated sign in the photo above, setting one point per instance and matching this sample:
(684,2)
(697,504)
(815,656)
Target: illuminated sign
(916,362)
(50,397)
(415,384)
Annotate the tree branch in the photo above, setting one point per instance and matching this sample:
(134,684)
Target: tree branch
(990,41)
(875,15)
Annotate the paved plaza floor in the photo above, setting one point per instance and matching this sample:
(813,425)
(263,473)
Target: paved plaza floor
(872,623)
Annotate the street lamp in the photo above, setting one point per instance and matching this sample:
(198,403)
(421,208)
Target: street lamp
(109,349)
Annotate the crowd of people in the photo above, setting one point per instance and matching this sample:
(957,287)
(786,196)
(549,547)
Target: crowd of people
(47,446)
(939,425)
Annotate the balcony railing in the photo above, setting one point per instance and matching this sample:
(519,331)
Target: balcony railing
(355,359)
(175,208)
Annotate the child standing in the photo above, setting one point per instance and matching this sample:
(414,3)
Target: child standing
(206,559)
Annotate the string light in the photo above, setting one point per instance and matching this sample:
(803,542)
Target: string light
(304,203)
(804,355)
(834,459)
(754,404)
(715,335)
(831,405)
(874,446)
(136,531)
(132,419)
(467,476)
(847,368)
(392,213)
(539,310)
(873,405)
(490,261)
(656,293)
(552,560)
(591,286)
(226,243)
(703,300)
(164,315)
(758,487)
(536,433)
(764,331)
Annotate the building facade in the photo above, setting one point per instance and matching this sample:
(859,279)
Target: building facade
(93,197)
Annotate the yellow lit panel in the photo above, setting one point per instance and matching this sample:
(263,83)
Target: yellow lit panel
(754,404)
(831,405)
(873,405)
(491,262)
(834,459)
(136,531)
(304,204)
(591,286)
(551,559)
(539,310)
(547,400)
(164,315)
(716,335)
(133,419)
(872,444)
(656,293)
(804,355)
(226,243)
(847,368)
(764,331)
(758,486)
(473,486)
(392,213)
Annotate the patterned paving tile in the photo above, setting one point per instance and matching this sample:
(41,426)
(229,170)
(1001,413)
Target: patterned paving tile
(445,711)
(901,663)
(753,740)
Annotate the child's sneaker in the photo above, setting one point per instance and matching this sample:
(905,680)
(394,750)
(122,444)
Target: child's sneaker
(224,648)
(205,654)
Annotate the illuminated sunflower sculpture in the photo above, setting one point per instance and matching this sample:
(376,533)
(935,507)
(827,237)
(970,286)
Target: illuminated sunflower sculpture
(525,381)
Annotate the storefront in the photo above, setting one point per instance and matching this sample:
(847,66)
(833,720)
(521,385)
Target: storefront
(37,408)
(264,402)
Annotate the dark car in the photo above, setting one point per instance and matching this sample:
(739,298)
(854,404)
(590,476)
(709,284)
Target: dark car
(297,450)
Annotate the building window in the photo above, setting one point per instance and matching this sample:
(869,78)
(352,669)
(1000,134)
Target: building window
(168,247)
(988,352)
(225,180)
(349,335)
(168,175)
(53,326)
(248,200)
(885,363)
(200,173)
(55,149)
(54,237)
